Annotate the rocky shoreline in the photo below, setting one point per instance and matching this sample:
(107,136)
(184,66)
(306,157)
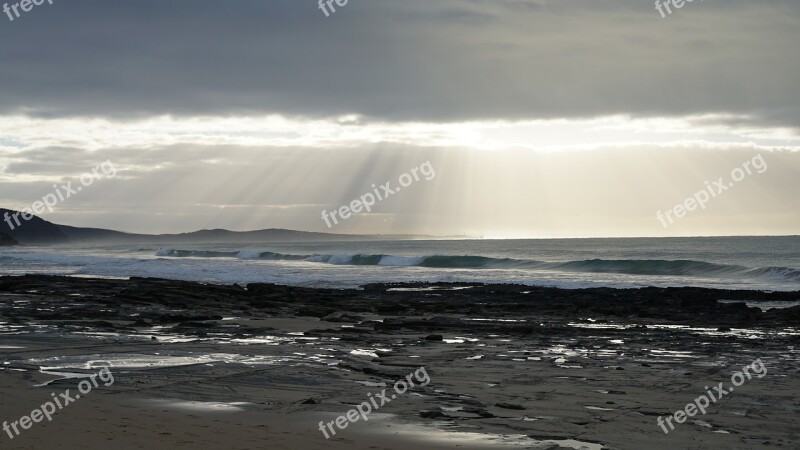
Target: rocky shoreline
(509,365)
(144,299)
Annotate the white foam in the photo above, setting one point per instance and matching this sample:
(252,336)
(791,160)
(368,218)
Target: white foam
(341,258)
(341,271)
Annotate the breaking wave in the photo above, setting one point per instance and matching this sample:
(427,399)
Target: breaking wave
(620,266)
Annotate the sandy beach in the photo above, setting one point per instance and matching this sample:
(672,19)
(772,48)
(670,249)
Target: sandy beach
(206,366)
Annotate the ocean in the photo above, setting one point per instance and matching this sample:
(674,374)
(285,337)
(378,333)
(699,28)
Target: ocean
(762,263)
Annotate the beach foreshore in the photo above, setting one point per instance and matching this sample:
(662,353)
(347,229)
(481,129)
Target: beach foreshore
(239,367)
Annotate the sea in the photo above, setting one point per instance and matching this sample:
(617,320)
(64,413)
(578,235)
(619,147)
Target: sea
(760,263)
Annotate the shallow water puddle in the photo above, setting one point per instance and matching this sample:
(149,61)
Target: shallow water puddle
(435,433)
(362,352)
(198,406)
(371,383)
(60,364)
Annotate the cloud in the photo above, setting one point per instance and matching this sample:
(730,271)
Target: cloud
(61,144)
(409,60)
(542,117)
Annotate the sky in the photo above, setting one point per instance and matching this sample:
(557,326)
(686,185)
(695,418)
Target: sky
(539,118)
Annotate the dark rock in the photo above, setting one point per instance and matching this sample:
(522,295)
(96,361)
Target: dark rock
(432,414)
(315,311)
(434,337)
(549,437)
(469,401)
(346,318)
(479,411)
(509,406)
(184,325)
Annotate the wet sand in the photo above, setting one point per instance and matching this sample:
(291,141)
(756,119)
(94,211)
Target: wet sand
(203,366)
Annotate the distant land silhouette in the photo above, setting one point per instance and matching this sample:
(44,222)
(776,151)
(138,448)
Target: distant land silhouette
(6,240)
(39,231)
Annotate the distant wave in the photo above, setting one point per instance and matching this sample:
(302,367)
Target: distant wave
(622,266)
(648,267)
(780,273)
(243,254)
(194,253)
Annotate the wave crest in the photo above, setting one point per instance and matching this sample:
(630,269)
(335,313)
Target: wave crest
(624,266)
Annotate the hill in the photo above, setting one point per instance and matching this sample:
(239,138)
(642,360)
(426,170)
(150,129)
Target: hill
(6,240)
(33,231)
(39,231)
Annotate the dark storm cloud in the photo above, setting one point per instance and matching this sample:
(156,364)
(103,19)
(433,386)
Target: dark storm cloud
(402,59)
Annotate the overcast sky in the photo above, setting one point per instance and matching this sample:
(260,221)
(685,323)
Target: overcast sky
(540,117)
